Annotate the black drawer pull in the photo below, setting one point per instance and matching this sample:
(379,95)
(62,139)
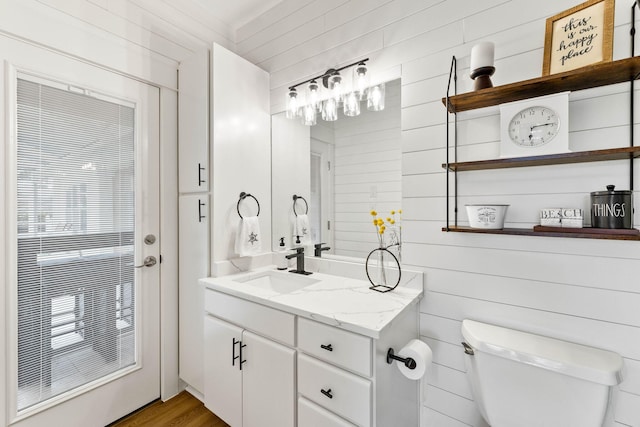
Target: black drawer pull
(327,393)
(326,347)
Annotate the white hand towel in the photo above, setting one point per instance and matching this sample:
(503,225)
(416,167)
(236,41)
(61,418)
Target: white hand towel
(301,228)
(248,237)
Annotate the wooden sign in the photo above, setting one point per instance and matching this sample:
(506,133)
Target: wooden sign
(580,36)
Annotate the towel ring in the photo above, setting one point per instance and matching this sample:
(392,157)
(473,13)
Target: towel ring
(295,198)
(243,196)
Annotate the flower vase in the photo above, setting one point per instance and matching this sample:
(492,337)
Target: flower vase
(387,277)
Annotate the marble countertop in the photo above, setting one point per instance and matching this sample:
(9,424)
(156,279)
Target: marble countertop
(339,301)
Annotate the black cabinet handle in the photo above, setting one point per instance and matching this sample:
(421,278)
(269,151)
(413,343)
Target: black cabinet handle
(200,180)
(233,352)
(327,393)
(200,205)
(241,347)
(326,347)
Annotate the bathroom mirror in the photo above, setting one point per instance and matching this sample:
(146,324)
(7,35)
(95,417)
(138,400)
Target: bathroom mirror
(343,170)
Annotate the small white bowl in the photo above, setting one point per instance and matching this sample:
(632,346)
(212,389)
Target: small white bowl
(486,216)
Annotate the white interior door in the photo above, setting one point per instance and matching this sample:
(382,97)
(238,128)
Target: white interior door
(82,203)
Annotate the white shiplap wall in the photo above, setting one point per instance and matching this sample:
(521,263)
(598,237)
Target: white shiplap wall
(367,167)
(586,291)
(132,36)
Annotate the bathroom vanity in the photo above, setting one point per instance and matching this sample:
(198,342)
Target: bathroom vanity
(283,349)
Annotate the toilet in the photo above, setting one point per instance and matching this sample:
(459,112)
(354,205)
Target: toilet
(519,379)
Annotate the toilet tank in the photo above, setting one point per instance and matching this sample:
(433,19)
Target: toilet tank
(519,379)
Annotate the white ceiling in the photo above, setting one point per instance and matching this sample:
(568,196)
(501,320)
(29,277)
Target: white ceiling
(236,13)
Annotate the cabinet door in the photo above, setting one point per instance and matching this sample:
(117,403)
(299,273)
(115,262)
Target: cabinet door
(193,259)
(222,374)
(268,385)
(193,129)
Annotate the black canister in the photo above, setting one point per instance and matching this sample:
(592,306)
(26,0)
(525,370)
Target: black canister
(611,209)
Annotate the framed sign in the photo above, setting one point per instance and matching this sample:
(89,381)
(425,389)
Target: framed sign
(580,36)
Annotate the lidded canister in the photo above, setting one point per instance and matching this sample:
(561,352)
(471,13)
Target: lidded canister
(612,208)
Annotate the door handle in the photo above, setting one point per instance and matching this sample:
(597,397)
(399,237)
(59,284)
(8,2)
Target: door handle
(149,261)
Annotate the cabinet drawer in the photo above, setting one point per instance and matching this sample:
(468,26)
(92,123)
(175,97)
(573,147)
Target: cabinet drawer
(312,415)
(264,320)
(346,394)
(334,345)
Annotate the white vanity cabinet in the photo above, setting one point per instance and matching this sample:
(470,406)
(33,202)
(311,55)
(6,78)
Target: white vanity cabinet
(295,371)
(249,379)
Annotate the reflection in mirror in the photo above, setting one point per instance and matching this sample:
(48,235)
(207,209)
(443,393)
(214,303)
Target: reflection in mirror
(344,169)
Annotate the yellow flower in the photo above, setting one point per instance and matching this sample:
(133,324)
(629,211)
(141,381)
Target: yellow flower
(400,211)
(392,222)
(374,213)
(381,231)
(380,221)
(388,219)
(375,222)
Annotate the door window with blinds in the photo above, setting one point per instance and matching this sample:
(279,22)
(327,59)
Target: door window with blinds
(75,218)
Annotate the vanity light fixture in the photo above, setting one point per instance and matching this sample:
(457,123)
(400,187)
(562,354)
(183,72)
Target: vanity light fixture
(360,80)
(293,106)
(335,94)
(375,98)
(352,104)
(313,94)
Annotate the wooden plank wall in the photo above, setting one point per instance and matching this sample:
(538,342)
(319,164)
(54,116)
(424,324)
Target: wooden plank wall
(584,291)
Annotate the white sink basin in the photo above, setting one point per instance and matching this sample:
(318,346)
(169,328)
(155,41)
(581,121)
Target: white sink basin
(280,282)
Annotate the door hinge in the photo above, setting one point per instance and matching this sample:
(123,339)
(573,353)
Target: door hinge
(328,165)
(328,225)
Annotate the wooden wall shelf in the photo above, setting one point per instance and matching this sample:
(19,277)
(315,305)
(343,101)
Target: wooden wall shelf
(549,159)
(582,233)
(588,77)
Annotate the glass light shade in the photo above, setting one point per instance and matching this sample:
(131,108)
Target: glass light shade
(375,98)
(335,85)
(352,104)
(330,110)
(293,107)
(309,115)
(360,80)
(313,94)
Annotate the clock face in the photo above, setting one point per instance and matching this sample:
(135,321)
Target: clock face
(534,126)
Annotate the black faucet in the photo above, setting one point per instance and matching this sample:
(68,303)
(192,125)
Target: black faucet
(318,249)
(299,256)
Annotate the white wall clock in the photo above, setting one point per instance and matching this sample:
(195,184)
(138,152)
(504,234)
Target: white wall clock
(535,126)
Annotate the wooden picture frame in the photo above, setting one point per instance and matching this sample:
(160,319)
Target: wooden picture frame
(580,36)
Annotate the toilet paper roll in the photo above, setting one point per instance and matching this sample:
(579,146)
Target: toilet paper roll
(421,353)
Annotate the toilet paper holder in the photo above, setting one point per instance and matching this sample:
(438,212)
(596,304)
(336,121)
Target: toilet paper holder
(408,361)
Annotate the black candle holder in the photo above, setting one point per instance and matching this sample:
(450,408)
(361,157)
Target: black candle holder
(482,77)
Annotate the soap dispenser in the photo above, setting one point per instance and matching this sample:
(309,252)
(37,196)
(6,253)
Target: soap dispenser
(282,261)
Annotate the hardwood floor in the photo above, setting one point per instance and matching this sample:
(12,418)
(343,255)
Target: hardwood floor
(184,410)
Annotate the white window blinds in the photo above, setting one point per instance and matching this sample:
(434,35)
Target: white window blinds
(75,211)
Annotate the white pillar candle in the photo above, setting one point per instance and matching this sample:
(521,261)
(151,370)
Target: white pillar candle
(482,56)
